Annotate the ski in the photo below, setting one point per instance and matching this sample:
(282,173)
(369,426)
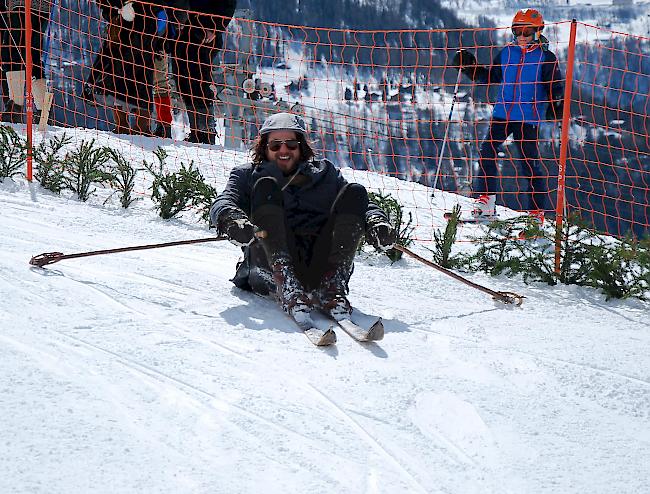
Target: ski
(319,337)
(374,332)
(485,220)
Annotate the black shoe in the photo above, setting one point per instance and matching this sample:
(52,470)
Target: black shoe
(13,113)
(202,137)
(163,130)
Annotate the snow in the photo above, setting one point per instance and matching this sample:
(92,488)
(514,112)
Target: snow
(148,371)
(633,19)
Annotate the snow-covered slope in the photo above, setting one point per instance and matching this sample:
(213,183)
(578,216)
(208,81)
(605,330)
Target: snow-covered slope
(631,18)
(149,372)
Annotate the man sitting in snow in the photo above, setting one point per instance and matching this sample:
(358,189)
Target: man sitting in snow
(298,220)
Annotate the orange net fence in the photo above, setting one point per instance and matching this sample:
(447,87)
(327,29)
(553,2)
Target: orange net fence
(390,102)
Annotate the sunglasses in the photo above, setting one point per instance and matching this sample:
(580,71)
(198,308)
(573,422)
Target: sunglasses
(523,31)
(275,145)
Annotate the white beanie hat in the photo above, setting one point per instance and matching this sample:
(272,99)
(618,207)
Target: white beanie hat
(284,121)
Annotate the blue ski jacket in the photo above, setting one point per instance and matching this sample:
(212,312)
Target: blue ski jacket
(530,80)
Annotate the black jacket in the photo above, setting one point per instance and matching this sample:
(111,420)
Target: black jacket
(308,203)
(307,207)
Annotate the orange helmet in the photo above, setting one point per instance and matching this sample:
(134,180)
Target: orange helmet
(528,17)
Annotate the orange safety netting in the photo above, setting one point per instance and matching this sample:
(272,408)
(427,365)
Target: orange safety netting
(391,102)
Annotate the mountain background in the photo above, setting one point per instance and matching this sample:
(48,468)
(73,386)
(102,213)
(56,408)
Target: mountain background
(626,16)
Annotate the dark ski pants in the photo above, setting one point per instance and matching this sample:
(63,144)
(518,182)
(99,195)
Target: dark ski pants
(313,253)
(526,136)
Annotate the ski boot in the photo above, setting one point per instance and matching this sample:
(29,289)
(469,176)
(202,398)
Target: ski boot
(485,207)
(332,293)
(290,293)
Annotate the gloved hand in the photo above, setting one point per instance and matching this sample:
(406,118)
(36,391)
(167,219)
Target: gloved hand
(240,231)
(127,12)
(381,236)
(463,58)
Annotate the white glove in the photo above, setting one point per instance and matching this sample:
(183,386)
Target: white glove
(127,12)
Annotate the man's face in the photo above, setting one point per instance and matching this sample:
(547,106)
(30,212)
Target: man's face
(283,148)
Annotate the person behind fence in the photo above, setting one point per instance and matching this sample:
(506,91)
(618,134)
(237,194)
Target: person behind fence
(4,30)
(13,56)
(312,221)
(124,68)
(170,22)
(531,91)
(197,45)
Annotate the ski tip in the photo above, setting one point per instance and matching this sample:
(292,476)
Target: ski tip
(321,338)
(328,338)
(376,331)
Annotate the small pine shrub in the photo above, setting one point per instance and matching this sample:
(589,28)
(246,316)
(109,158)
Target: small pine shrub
(122,177)
(494,251)
(445,241)
(641,272)
(176,192)
(13,152)
(85,167)
(619,268)
(576,242)
(50,163)
(403,230)
(205,196)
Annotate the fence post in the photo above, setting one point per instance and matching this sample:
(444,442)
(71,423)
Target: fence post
(29,100)
(564,147)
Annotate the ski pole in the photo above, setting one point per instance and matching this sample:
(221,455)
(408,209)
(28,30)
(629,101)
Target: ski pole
(52,257)
(505,297)
(444,139)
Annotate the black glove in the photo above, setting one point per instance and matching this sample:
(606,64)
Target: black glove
(555,110)
(381,236)
(239,229)
(462,59)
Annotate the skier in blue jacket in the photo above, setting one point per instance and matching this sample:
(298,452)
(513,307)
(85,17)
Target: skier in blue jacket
(312,219)
(531,91)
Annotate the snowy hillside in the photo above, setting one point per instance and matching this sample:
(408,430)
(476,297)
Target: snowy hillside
(626,17)
(149,372)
